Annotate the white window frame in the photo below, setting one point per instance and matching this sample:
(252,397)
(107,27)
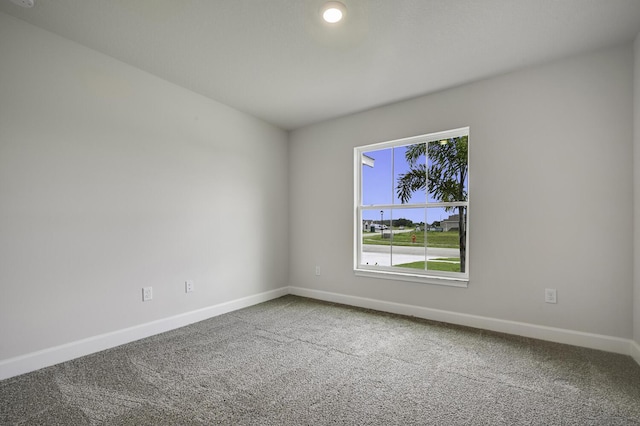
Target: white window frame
(455,279)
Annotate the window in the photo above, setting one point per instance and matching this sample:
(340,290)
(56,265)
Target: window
(412,208)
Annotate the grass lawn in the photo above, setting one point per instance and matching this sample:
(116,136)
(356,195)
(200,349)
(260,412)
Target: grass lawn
(433,265)
(450,239)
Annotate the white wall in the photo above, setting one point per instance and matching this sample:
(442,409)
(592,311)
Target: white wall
(636,209)
(551,201)
(112,179)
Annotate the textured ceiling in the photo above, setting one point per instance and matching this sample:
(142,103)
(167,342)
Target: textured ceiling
(275,60)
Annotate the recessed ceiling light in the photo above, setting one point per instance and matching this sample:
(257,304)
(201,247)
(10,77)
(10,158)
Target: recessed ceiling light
(333,12)
(24,3)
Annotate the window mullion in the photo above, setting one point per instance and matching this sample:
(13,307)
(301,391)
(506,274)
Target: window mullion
(393,201)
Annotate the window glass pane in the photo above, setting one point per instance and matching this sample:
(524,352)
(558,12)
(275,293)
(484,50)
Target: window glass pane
(408,241)
(446,239)
(401,229)
(376,238)
(448,170)
(409,166)
(377,177)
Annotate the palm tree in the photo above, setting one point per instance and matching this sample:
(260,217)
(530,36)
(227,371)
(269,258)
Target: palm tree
(447,174)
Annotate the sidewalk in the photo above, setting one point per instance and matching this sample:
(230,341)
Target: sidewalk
(382,255)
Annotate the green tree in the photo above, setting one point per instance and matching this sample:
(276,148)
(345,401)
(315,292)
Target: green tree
(447,173)
(403,222)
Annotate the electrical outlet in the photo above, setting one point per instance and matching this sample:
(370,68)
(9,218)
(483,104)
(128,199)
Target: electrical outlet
(147,293)
(317,270)
(189,286)
(550,295)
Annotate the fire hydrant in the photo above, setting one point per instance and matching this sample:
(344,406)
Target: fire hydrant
(413,238)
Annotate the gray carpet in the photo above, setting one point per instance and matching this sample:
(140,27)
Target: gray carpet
(296,361)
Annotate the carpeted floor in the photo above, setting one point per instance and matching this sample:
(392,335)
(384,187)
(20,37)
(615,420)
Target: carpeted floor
(296,361)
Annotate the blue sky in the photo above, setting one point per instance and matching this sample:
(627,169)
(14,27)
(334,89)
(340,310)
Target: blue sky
(379,187)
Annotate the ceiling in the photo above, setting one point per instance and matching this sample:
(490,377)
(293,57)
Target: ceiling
(276,60)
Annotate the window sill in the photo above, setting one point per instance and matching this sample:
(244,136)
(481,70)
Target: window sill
(418,278)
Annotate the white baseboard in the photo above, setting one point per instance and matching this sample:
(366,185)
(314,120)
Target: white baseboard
(635,351)
(33,361)
(559,335)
